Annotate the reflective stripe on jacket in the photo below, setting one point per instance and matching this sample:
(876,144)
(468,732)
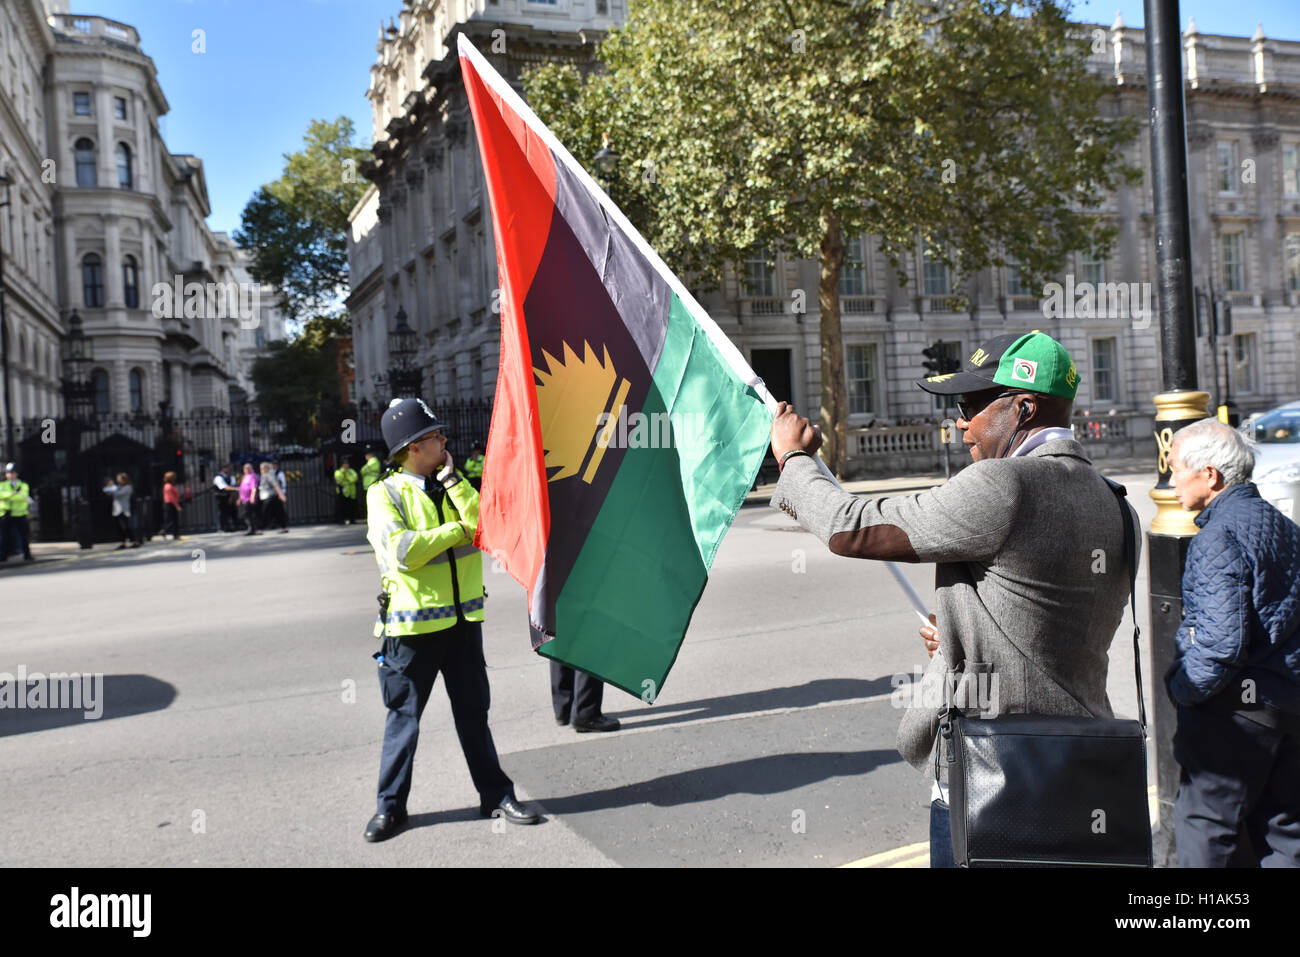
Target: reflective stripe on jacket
(427,560)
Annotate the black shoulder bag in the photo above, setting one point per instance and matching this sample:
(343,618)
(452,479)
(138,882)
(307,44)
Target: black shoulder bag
(1041,790)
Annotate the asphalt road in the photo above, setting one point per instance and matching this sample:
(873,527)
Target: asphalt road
(242,721)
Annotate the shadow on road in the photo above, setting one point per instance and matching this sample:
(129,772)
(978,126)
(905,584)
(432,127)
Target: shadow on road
(119,696)
(770,774)
(795,696)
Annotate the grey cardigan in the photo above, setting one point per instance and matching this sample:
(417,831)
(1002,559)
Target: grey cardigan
(1031,578)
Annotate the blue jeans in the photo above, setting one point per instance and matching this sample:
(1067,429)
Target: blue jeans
(940,836)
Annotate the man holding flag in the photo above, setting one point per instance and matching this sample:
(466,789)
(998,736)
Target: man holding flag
(1015,538)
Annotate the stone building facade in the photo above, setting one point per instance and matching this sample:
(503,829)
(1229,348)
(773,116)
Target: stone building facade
(106,222)
(421,236)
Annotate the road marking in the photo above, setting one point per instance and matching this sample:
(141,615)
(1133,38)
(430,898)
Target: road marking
(911,855)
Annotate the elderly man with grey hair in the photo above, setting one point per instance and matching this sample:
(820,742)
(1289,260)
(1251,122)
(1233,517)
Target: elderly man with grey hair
(1236,674)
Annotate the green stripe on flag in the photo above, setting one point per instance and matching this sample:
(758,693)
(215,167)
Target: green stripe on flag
(699,387)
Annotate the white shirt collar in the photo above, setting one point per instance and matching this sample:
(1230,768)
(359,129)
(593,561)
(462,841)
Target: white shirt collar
(1041,437)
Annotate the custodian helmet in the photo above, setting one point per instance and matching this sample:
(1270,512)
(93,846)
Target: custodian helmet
(407,420)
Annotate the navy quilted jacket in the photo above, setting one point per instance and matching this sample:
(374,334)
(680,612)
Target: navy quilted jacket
(1241,605)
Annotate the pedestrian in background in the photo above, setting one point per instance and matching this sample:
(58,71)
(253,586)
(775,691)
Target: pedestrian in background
(248,498)
(270,498)
(121,492)
(1235,678)
(171,506)
(15,503)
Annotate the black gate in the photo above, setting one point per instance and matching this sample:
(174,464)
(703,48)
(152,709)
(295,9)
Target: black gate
(68,462)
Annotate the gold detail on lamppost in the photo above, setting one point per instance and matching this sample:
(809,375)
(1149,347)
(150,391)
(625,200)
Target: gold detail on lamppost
(1173,411)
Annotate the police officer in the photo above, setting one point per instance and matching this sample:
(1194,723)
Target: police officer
(14,507)
(369,473)
(431,613)
(474,466)
(345,486)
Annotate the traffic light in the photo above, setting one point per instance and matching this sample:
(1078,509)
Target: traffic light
(934,361)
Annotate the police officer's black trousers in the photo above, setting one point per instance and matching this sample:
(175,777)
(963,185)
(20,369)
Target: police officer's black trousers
(575,694)
(1238,801)
(406,678)
(16,535)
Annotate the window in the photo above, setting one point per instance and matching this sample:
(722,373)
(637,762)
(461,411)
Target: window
(81,104)
(1244,365)
(85,155)
(759,276)
(936,275)
(1015,287)
(130,283)
(137,391)
(860,371)
(1228,166)
(1292,258)
(1094,268)
(1234,271)
(92,281)
(1103,370)
(119,108)
(99,381)
(123,166)
(853,274)
(1291,169)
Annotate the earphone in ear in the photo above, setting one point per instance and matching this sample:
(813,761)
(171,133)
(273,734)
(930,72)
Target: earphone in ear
(1026,410)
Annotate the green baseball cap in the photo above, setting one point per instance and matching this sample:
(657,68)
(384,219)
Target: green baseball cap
(1031,361)
(1038,363)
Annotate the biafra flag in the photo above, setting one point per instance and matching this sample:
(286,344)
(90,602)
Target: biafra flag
(626,429)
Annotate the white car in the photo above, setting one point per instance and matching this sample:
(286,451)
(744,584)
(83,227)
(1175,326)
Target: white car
(1276,435)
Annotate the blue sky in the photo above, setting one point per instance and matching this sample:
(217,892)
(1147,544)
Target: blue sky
(272,66)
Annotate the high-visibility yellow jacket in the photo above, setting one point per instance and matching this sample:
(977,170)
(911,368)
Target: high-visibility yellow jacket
(474,467)
(369,473)
(13,498)
(425,550)
(346,480)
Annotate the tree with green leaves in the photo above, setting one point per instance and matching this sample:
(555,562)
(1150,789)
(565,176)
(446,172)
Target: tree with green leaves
(298,383)
(968,128)
(297,226)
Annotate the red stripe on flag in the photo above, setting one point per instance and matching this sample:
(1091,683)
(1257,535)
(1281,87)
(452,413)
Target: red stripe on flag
(514,508)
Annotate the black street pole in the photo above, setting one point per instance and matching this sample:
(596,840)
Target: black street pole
(1180,403)
(4,342)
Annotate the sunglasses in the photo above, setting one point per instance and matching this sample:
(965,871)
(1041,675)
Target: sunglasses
(968,409)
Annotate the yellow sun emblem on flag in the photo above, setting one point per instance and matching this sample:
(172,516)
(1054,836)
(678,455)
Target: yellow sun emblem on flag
(572,395)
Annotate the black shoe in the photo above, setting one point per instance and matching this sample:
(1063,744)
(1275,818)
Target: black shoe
(561,721)
(512,811)
(599,723)
(384,826)
(120,547)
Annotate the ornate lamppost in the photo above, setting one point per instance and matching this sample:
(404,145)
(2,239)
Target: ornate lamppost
(403,376)
(78,391)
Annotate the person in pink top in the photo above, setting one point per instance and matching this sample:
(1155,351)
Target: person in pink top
(248,498)
(171,506)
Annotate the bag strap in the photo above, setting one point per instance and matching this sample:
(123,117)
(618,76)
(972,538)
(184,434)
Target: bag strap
(1130,554)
